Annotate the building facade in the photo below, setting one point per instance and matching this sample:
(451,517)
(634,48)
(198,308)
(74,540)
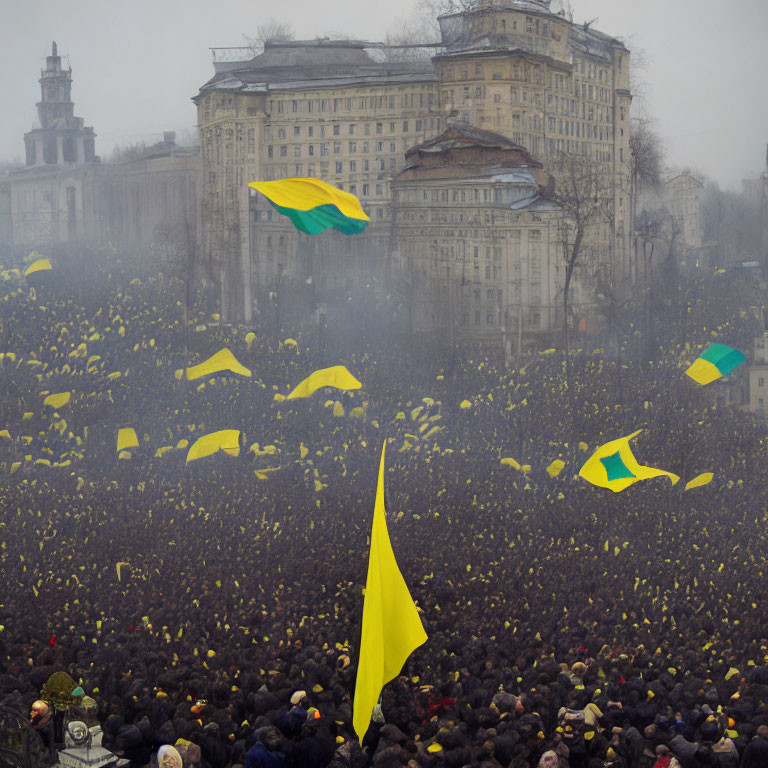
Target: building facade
(65,196)
(334,110)
(303,108)
(476,239)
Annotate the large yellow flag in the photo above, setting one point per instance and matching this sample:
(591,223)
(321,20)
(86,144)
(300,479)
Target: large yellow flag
(226,440)
(223,360)
(335,376)
(614,466)
(126,438)
(392,629)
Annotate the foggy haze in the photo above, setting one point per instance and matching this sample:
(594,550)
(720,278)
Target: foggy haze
(136,65)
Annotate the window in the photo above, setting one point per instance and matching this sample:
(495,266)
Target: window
(352,147)
(311,150)
(284,150)
(379,146)
(379,127)
(310,131)
(489,318)
(352,165)
(391,146)
(297,150)
(339,166)
(352,129)
(270,152)
(366,190)
(405,126)
(336,147)
(336,130)
(366,165)
(281,133)
(761,382)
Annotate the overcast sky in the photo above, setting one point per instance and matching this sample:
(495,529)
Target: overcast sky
(136,64)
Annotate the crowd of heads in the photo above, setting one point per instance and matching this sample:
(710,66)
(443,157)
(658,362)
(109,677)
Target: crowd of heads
(567,625)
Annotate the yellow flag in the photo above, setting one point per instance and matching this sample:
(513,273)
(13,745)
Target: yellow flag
(119,568)
(699,480)
(335,376)
(223,360)
(57,400)
(555,468)
(392,629)
(37,266)
(614,466)
(508,461)
(126,438)
(226,440)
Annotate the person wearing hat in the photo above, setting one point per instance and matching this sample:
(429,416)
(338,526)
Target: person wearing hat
(266,752)
(290,722)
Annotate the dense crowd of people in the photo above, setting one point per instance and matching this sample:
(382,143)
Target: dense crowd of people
(216,605)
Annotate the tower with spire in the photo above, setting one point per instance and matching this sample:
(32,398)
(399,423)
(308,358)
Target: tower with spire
(62,138)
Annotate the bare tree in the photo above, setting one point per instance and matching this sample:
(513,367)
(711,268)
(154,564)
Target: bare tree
(128,153)
(428,11)
(271,31)
(582,187)
(403,40)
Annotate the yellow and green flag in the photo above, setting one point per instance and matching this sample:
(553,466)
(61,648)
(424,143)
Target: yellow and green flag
(314,206)
(226,440)
(223,360)
(336,376)
(392,629)
(614,466)
(126,438)
(715,361)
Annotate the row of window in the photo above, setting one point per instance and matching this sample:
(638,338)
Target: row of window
(346,104)
(322,149)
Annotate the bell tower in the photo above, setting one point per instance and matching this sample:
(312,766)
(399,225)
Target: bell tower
(62,138)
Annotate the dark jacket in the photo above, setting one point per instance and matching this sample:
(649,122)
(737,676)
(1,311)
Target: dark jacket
(260,757)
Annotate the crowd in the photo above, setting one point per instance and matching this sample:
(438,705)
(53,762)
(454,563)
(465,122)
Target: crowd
(217,605)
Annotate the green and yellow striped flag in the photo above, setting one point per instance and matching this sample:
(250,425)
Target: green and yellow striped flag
(715,361)
(314,206)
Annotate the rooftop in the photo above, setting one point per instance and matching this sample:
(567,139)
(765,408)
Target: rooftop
(323,61)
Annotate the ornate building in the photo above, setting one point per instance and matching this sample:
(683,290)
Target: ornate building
(335,110)
(476,235)
(66,196)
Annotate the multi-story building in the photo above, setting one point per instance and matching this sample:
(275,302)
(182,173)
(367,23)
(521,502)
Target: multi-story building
(682,194)
(758,378)
(331,109)
(303,108)
(66,196)
(476,238)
